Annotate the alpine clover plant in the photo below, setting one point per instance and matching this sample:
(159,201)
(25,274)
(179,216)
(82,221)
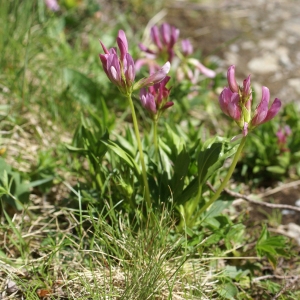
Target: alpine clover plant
(164,39)
(155,101)
(120,70)
(236,102)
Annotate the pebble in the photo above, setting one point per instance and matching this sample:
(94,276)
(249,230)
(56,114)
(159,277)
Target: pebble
(264,64)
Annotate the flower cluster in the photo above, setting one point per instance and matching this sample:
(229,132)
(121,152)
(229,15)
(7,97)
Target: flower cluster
(236,101)
(155,99)
(164,39)
(120,69)
(184,69)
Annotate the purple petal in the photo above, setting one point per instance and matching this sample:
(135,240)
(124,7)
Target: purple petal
(103,58)
(155,37)
(52,4)
(247,86)
(165,30)
(104,48)
(113,68)
(122,43)
(262,108)
(174,36)
(205,71)
(233,107)
(187,48)
(168,104)
(145,49)
(130,69)
(148,101)
(273,111)
(224,100)
(231,79)
(154,78)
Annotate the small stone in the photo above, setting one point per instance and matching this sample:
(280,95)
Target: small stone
(11,287)
(294,83)
(297,202)
(264,64)
(268,44)
(248,45)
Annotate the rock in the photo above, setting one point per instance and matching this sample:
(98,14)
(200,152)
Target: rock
(295,83)
(264,64)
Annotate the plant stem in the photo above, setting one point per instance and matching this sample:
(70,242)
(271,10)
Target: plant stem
(227,177)
(155,138)
(137,134)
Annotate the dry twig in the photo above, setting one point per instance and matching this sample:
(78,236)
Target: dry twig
(289,285)
(266,204)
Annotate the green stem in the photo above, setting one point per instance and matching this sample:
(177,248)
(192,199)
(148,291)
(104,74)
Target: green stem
(226,179)
(155,138)
(137,134)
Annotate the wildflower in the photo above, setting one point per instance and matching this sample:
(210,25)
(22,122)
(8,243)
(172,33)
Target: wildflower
(236,101)
(155,99)
(153,78)
(164,39)
(184,69)
(52,5)
(120,69)
(282,135)
(187,47)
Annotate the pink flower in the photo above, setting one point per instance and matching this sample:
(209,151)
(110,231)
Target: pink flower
(282,135)
(120,69)
(52,5)
(205,71)
(184,69)
(164,39)
(229,103)
(231,79)
(263,113)
(155,99)
(187,47)
(154,78)
(236,102)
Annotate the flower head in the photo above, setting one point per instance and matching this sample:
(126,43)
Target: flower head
(236,102)
(282,135)
(187,47)
(120,69)
(155,98)
(185,70)
(52,5)
(164,39)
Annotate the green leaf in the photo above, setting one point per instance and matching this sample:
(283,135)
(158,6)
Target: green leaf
(206,159)
(269,246)
(15,190)
(181,167)
(188,192)
(216,209)
(276,169)
(122,154)
(81,86)
(228,291)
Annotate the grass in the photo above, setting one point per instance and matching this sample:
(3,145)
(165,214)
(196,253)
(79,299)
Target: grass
(98,257)
(72,240)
